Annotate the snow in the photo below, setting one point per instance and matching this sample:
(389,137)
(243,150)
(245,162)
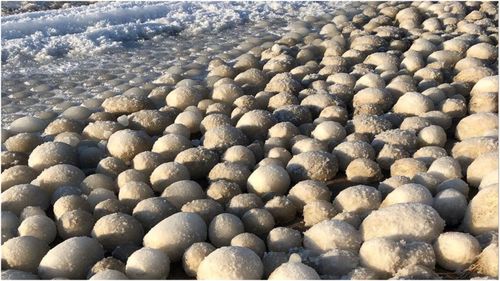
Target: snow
(99,27)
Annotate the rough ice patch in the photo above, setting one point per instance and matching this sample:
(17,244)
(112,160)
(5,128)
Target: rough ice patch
(95,28)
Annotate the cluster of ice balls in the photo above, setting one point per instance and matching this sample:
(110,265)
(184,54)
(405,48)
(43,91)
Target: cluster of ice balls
(236,176)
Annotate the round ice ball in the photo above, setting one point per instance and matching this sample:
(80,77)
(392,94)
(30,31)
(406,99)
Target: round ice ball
(231,263)
(71,258)
(147,263)
(176,233)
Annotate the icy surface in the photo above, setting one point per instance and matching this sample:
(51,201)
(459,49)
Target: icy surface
(98,27)
(53,59)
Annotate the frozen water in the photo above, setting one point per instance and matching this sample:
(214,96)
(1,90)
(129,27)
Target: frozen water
(56,58)
(91,29)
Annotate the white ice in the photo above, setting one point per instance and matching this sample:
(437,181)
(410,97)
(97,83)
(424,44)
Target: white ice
(88,30)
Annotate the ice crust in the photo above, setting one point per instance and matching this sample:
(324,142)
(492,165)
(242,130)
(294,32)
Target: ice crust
(92,29)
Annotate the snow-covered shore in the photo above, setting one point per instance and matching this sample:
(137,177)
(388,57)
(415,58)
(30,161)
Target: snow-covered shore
(88,30)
